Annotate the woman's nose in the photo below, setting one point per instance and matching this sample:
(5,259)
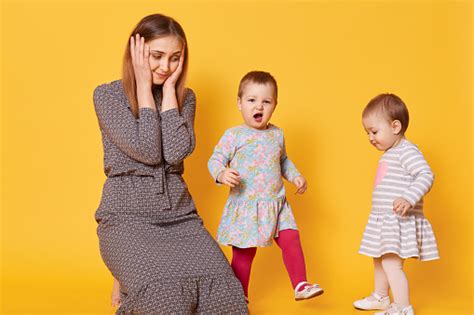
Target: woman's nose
(164,65)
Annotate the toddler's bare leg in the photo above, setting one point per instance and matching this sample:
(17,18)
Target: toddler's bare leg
(381,281)
(393,266)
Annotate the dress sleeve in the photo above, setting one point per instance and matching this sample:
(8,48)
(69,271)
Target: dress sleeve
(138,138)
(288,169)
(414,163)
(178,130)
(223,153)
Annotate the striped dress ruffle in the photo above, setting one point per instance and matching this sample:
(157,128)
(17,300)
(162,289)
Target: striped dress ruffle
(402,172)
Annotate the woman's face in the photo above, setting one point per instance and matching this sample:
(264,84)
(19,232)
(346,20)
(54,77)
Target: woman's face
(164,57)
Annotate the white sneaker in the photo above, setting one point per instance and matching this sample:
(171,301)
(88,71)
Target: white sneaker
(394,309)
(310,291)
(373,302)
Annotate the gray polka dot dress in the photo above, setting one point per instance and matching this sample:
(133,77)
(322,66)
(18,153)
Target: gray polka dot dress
(150,235)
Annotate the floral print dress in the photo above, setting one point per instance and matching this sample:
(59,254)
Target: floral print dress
(256,209)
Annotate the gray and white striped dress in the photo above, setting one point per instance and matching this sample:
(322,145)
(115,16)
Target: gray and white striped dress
(150,235)
(402,172)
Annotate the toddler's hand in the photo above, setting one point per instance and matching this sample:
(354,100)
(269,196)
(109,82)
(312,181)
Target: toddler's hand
(301,184)
(229,177)
(401,206)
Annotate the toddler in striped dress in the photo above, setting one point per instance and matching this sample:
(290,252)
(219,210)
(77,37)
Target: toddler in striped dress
(397,228)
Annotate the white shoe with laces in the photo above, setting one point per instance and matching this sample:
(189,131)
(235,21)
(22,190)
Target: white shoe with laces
(310,291)
(373,302)
(394,309)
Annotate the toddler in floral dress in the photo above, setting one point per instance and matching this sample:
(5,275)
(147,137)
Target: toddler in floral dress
(251,159)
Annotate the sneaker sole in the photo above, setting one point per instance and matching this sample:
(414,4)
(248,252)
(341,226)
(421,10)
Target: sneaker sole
(315,294)
(369,309)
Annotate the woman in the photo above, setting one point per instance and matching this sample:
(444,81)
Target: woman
(151,237)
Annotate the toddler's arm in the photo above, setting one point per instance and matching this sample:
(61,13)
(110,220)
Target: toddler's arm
(414,163)
(222,155)
(288,169)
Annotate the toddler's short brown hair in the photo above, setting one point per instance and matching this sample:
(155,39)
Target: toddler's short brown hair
(260,77)
(391,106)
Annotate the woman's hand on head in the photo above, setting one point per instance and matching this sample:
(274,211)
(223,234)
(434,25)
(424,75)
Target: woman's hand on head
(229,177)
(140,53)
(170,82)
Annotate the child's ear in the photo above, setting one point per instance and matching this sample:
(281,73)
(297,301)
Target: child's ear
(396,127)
(239,105)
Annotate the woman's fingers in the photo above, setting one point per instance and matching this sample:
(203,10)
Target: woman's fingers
(139,50)
(136,48)
(147,54)
(181,60)
(132,48)
(173,78)
(140,54)
(142,49)
(137,44)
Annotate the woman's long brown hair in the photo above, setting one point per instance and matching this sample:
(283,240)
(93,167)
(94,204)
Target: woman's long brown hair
(152,27)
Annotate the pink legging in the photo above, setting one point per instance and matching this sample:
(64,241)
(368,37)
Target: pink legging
(290,244)
(388,271)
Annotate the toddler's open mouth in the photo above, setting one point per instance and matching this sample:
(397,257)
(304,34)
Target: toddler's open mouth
(258,117)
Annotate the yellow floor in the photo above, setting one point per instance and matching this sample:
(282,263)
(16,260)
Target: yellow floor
(322,311)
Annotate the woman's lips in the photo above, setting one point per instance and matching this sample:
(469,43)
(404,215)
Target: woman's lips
(161,76)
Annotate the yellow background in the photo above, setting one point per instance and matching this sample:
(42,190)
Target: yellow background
(329,59)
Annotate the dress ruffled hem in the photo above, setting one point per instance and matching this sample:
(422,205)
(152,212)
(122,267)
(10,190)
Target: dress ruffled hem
(190,295)
(254,223)
(407,237)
